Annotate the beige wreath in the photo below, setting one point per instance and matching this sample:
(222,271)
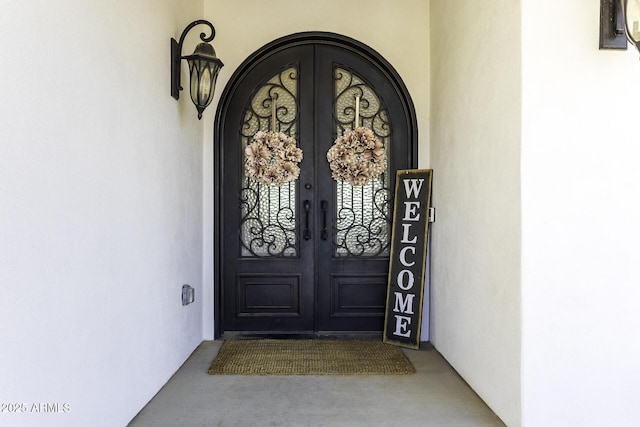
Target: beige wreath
(272,158)
(357,157)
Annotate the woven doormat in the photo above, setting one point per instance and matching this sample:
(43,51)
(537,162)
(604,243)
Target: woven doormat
(309,357)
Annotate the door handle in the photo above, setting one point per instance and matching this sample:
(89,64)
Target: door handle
(306,234)
(323,208)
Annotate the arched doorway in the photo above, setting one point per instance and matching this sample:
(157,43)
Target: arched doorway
(308,256)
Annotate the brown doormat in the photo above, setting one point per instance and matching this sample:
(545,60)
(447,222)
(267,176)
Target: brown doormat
(309,357)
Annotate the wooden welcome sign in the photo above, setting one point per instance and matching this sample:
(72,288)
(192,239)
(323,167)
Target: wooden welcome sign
(410,232)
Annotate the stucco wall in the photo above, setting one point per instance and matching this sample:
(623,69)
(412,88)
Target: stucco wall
(100,224)
(475,154)
(400,34)
(580,228)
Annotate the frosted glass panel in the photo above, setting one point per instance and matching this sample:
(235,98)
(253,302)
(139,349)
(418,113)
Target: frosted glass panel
(269,225)
(363,215)
(269,220)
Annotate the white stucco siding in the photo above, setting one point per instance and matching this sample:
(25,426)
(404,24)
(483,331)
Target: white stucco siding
(580,228)
(101,217)
(475,154)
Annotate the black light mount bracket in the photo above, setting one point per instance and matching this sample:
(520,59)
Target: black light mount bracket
(176,54)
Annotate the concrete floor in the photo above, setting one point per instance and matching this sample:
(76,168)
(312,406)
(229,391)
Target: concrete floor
(434,396)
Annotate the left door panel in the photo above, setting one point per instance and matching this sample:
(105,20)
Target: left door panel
(268,267)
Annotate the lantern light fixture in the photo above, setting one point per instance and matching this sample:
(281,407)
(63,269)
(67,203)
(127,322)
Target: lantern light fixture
(619,24)
(204,67)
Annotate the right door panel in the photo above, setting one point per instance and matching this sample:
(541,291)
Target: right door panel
(352,263)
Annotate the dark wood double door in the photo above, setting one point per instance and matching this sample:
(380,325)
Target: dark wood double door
(310,255)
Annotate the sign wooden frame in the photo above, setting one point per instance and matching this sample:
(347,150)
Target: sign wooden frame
(407,261)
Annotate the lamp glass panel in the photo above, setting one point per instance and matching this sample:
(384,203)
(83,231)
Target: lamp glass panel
(200,82)
(205,85)
(633,19)
(203,80)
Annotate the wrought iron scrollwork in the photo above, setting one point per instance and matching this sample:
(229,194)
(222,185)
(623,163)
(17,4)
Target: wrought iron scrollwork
(373,113)
(282,89)
(362,222)
(363,213)
(269,223)
(267,230)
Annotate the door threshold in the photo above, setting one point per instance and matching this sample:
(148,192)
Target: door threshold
(321,335)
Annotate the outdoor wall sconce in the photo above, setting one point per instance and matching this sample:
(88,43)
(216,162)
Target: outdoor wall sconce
(619,22)
(204,67)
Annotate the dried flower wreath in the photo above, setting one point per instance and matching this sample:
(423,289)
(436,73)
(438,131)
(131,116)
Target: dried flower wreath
(356,157)
(272,158)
